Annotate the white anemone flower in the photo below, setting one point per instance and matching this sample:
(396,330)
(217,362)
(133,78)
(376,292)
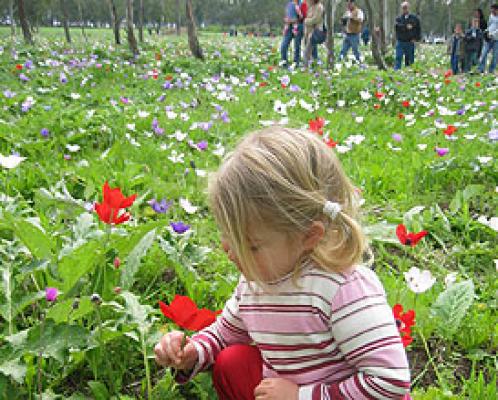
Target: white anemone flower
(11,161)
(419,281)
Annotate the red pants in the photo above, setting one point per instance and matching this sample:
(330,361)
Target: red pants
(237,371)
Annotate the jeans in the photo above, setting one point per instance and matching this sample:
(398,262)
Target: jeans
(406,49)
(284,48)
(470,60)
(489,47)
(311,50)
(351,41)
(455,61)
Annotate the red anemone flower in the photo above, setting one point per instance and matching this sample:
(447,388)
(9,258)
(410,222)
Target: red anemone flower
(113,202)
(448,73)
(376,106)
(408,238)
(406,104)
(450,130)
(184,312)
(379,95)
(19,67)
(404,323)
(330,142)
(316,125)
(263,84)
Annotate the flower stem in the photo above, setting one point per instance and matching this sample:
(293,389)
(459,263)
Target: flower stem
(431,358)
(147,369)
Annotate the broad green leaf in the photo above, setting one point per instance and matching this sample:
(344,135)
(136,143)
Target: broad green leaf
(382,232)
(125,244)
(137,313)
(6,309)
(14,369)
(451,306)
(133,260)
(38,243)
(63,311)
(99,390)
(79,262)
(53,340)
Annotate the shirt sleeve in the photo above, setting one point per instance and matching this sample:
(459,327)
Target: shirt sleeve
(228,329)
(366,334)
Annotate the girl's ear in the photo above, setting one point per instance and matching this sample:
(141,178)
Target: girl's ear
(314,235)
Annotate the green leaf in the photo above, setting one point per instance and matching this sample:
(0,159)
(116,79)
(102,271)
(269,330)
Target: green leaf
(451,306)
(137,313)
(133,261)
(382,232)
(63,311)
(14,369)
(53,340)
(6,310)
(99,390)
(79,262)
(32,236)
(125,244)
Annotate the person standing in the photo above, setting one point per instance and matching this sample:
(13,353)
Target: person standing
(407,33)
(473,42)
(293,29)
(353,20)
(491,44)
(483,25)
(314,31)
(456,50)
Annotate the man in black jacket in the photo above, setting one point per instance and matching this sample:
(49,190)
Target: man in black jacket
(407,33)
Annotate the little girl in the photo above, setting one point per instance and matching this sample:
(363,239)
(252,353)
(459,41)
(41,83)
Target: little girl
(307,320)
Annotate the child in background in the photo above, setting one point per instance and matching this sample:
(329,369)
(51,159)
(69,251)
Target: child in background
(456,49)
(473,43)
(307,320)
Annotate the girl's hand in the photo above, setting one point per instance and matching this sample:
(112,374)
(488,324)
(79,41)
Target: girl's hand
(276,389)
(169,352)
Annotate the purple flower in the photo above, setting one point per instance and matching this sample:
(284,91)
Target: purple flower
(8,93)
(23,77)
(161,206)
(62,78)
(155,123)
(124,100)
(67,157)
(179,227)
(44,132)
(250,79)
(202,145)
(51,294)
(461,111)
(442,151)
(493,135)
(294,88)
(252,90)
(397,137)
(224,117)
(167,85)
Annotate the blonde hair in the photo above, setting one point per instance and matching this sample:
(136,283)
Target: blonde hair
(282,178)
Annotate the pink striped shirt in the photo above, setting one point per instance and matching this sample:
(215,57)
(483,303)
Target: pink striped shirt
(333,334)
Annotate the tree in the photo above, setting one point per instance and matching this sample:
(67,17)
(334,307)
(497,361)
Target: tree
(330,17)
(114,21)
(193,41)
(11,17)
(178,17)
(82,21)
(376,37)
(65,20)
(24,22)
(132,42)
(141,21)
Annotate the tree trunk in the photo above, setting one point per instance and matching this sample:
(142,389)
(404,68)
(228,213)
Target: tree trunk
(178,18)
(11,17)
(114,21)
(417,8)
(24,22)
(141,22)
(381,24)
(65,21)
(82,22)
(330,18)
(193,41)
(132,42)
(376,39)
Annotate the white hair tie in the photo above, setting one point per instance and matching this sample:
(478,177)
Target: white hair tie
(331,209)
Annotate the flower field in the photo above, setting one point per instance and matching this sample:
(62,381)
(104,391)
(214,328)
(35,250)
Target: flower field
(104,161)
